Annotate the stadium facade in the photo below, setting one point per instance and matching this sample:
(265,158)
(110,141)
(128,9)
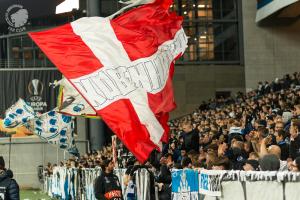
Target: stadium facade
(228,52)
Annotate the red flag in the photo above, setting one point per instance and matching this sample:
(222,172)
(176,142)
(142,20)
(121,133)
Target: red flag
(123,68)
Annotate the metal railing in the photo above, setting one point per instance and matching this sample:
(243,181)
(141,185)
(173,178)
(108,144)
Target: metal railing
(23,63)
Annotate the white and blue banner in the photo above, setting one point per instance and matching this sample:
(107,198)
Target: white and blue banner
(53,127)
(210,182)
(265,8)
(185,184)
(18,114)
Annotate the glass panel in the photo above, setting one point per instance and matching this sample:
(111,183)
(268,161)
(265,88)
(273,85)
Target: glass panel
(212,28)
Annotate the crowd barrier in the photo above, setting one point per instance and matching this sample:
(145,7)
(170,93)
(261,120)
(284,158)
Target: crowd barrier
(73,183)
(70,183)
(234,185)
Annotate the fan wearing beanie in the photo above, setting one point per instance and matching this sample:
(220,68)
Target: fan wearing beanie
(9,188)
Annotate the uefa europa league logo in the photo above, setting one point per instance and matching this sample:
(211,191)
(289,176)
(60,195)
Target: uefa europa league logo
(35,87)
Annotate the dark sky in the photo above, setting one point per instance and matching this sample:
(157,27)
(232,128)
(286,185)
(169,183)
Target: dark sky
(36,8)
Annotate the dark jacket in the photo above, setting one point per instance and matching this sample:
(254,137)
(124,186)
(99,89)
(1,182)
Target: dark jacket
(165,177)
(285,150)
(107,187)
(12,187)
(191,141)
(295,148)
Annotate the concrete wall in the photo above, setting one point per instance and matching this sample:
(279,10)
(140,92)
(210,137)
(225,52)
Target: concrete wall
(30,152)
(270,50)
(195,83)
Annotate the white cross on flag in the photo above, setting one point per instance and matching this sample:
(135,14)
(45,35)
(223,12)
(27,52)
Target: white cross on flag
(123,67)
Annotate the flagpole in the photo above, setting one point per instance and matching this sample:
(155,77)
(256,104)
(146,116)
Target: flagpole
(57,156)
(9,148)
(9,151)
(64,155)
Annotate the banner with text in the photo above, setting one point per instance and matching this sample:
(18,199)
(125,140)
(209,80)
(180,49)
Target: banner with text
(210,183)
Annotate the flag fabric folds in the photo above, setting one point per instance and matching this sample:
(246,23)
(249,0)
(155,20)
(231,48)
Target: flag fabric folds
(70,102)
(18,113)
(123,68)
(53,127)
(56,129)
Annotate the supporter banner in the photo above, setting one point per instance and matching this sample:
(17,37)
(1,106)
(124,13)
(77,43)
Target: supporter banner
(71,183)
(120,173)
(210,183)
(229,184)
(30,85)
(185,185)
(266,8)
(142,181)
(79,184)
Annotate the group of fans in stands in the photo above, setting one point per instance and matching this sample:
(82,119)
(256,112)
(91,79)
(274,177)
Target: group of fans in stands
(254,131)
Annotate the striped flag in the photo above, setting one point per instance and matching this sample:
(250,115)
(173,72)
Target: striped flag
(123,67)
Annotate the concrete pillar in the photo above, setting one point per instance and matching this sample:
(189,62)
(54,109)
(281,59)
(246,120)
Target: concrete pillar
(95,127)
(96,132)
(93,8)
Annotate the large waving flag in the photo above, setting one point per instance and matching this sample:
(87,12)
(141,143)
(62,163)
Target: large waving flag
(123,67)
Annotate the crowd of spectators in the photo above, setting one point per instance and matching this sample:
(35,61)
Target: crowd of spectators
(89,160)
(255,131)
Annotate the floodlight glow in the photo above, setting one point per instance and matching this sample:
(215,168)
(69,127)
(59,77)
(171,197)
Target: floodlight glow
(67,6)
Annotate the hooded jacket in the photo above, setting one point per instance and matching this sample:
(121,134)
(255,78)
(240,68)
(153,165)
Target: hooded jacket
(12,187)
